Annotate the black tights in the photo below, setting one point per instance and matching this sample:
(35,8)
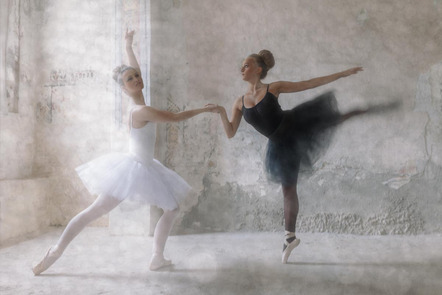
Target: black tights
(291,206)
(291,202)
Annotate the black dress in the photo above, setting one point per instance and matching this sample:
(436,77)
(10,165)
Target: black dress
(297,137)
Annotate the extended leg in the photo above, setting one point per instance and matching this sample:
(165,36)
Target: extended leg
(162,231)
(381,108)
(348,115)
(101,206)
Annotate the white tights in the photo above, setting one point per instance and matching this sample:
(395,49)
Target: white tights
(162,231)
(103,205)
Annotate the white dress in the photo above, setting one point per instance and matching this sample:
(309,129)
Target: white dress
(136,175)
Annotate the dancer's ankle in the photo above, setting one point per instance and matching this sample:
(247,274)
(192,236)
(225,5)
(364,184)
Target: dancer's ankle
(56,250)
(158,261)
(289,236)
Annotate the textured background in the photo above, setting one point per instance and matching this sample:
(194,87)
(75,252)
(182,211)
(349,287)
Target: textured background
(381,174)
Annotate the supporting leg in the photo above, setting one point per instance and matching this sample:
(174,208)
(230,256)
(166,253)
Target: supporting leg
(291,209)
(162,231)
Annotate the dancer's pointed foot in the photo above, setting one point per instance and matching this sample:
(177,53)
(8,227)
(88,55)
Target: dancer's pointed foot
(49,259)
(289,244)
(158,261)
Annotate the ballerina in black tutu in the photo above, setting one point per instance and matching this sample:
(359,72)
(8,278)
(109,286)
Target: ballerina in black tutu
(296,137)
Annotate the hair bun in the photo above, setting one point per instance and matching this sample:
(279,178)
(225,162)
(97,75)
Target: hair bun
(118,71)
(267,57)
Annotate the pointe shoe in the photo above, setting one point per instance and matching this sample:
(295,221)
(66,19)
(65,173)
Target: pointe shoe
(287,249)
(46,262)
(158,261)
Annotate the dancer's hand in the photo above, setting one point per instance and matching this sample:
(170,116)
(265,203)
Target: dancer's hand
(351,71)
(129,37)
(213,108)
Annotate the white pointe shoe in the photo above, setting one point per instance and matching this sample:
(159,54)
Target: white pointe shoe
(46,262)
(158,261)
(287,249)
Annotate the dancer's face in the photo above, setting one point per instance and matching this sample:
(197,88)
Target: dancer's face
(250,69)
(132,81)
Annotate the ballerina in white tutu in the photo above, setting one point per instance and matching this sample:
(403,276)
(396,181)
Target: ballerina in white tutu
(135,176)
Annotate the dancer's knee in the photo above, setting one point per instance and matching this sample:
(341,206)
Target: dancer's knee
(101,206)
(173,212)
(176,210)
(289,190)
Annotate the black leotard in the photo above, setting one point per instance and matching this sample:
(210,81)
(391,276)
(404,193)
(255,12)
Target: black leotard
(265,116)
(296,137)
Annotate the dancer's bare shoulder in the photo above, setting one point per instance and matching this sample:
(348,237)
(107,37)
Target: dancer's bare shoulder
(237,104)
(143,114)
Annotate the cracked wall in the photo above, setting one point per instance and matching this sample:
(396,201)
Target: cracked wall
(380,175)
(63,85)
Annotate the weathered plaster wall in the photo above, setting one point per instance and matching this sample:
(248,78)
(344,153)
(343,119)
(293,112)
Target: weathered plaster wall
(65,113)
(381,173)
(76,103)
(23,196)
(380,176)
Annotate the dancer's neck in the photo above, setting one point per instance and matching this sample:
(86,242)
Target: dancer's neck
(254,87)
(138,99)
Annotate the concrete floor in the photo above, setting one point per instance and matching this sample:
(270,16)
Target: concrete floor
(228,263)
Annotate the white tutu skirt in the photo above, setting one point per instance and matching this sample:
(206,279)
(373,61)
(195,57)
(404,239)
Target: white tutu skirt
(121,176)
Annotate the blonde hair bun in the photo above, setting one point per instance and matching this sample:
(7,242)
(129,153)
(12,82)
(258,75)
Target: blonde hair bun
(268,58)
(118,72)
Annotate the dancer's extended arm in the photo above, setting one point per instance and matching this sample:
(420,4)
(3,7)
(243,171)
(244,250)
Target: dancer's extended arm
(230,127)
(150,114)
(288,87)
(129,50)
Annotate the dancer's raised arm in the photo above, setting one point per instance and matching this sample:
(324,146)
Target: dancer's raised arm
(129,50)
(288,87)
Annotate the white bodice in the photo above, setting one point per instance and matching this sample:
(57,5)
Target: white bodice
(142,142)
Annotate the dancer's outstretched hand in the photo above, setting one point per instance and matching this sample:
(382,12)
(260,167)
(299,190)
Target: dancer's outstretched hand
(352,71)
(129,37)
(213,108)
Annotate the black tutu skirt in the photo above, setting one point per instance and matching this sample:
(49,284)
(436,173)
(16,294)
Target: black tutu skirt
(302,137)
